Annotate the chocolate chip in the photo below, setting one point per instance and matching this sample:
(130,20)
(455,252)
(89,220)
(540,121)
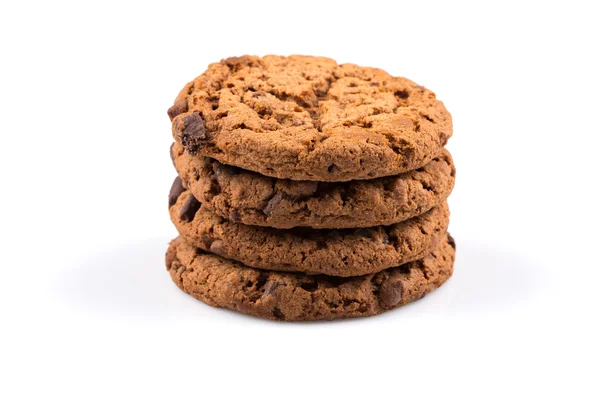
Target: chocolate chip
(232,61)
(270,288)
(274,202)
(206,241)
(390,292)
(300,189)
(179,107)
(171,153)
(193,132)
(176,266)
(451,242)
(237,63)
(218,247)
(234,216)
(189,209)
(176,190)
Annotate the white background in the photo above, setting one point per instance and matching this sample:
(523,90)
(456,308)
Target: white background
(87,308)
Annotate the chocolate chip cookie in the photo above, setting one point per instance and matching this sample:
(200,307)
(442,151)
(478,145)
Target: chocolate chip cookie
(337,252)
(298,297)
(255,199)
(308,118)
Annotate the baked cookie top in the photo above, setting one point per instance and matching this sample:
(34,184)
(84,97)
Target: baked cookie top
(308,118)
(255,199)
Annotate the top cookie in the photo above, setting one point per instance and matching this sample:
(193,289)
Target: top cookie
(308,118)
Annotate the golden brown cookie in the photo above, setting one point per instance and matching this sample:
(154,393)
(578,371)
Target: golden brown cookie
(308,118)
(287,296)
(255,199)
(337,252)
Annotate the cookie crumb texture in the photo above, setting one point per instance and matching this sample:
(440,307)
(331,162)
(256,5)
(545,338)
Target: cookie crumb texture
(308,118)
(336,252)
(259,200)
(297,297)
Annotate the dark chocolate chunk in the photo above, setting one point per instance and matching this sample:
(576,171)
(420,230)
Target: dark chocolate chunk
(179,107)
(232,61)
(171,153)
(237,63)
(218,247)
(270,288)
(193,133)
(451,242)
(206,241)
(189,209)
(390,292)
(274,202)
(300,189)
(176,190)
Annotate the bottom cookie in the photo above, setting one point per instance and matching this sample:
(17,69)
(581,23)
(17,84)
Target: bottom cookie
(293,296)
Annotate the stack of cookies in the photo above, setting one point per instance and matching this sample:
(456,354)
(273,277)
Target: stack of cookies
(309,190)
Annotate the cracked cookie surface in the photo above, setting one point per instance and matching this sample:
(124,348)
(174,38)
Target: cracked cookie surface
(308,118)
(336,252)
(289,296)
(255,199)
